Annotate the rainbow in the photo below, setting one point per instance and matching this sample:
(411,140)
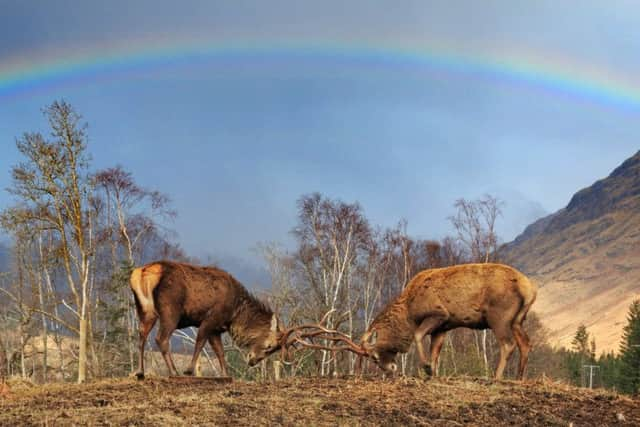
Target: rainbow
(22,76)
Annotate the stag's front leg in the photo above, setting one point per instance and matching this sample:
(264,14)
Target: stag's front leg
(427,326)
(216,344)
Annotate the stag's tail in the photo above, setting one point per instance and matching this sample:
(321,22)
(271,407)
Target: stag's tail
(143,281)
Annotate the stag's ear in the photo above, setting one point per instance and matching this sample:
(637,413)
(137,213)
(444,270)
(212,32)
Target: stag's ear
(274,323)
(373,337)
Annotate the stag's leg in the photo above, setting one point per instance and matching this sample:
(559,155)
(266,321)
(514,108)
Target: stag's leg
(503,335)
(524,346)
(437,340)
(146,325)
(201,339)
(426,327)
(216,344)
(162,339)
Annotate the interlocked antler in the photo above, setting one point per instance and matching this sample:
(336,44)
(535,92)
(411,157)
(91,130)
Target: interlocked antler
(305,334)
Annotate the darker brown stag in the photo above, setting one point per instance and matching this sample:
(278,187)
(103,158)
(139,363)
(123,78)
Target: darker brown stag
(183,295)
(477,296)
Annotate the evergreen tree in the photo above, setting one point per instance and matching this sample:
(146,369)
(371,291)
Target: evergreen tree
(609,370)
(580,355)
(630,352)
(580,342)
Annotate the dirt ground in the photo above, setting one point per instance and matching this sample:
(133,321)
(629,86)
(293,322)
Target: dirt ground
(315,401)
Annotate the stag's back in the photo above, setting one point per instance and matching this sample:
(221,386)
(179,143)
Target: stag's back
(469,292)
(192,291)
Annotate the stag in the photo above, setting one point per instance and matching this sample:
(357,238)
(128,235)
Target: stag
(183,295)
(477,296)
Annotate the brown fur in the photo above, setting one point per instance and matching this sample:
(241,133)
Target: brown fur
(183,295)
(477,296)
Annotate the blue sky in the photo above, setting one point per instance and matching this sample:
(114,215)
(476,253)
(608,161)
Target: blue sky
(235,142)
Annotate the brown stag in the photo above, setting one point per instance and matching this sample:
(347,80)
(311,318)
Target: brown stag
(477,296)
(183,295)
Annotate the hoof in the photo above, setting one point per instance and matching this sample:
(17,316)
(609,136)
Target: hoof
(188,373)
(139,375)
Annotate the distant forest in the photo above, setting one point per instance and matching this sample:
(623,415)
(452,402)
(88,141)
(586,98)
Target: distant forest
(73,235)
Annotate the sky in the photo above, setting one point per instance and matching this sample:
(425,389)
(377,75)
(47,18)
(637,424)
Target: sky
(236,109)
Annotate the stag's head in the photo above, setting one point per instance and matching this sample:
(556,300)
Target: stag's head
(266,341)
(374,346)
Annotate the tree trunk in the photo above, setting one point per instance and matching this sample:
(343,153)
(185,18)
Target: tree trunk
(23,367)
(82,355)
(45,340)
(45,333)
(45,329)
(4,371)
(484,353)
(277,369)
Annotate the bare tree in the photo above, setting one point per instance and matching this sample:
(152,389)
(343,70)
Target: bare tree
(330,235)
(474,223)
(135,208)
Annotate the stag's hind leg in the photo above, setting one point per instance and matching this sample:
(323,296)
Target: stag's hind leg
(502,330)
(146,325)
(506,349)
(437,340)
(500,321)
(521,336)
(524,346)
(167,326)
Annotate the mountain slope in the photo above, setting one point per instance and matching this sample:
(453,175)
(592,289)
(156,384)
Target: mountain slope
(586,258)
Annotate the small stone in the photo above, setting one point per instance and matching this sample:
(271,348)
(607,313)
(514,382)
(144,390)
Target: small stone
(620,417)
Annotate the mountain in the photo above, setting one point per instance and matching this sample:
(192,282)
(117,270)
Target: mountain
(586,259)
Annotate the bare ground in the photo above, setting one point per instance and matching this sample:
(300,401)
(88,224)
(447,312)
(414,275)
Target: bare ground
(315,401)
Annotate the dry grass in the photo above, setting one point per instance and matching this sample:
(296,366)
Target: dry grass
(314,401)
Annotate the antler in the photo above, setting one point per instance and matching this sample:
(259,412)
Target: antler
(305,334)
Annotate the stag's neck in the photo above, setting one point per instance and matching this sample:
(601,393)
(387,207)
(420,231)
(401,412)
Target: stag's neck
(249,320)
(395,327)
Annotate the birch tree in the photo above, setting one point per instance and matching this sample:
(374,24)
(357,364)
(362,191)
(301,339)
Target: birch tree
(53,188)
(330,235)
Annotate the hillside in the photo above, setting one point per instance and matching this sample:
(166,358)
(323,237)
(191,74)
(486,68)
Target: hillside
(315,401)
(586,258)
